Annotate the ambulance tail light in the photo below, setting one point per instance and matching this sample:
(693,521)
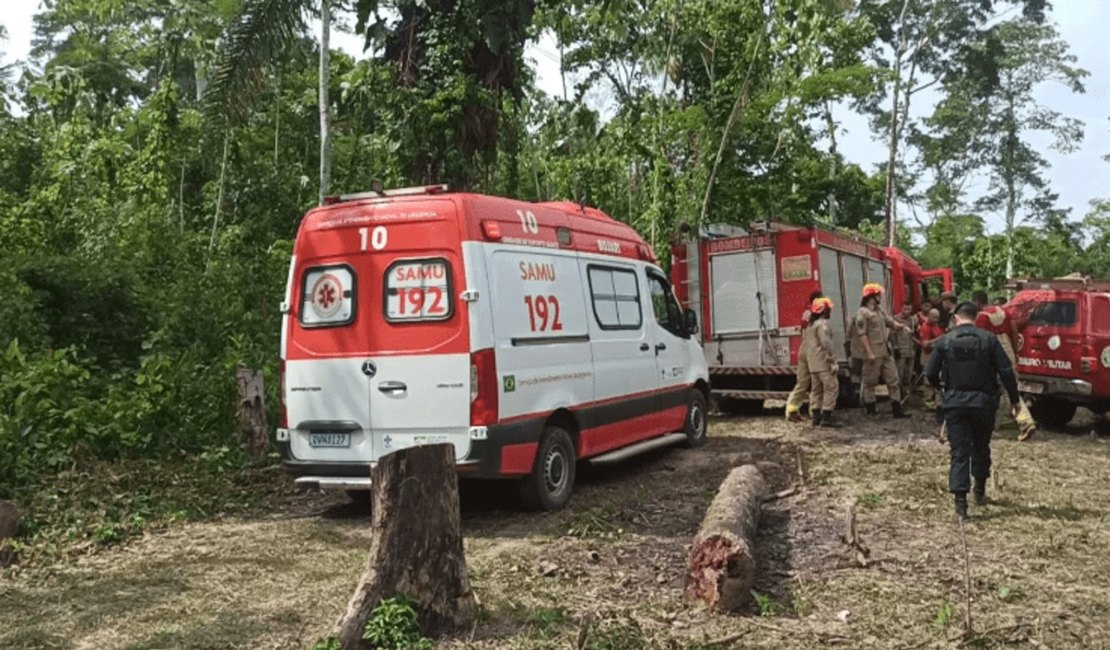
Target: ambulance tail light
(483,388)
(283,414)
(491,230)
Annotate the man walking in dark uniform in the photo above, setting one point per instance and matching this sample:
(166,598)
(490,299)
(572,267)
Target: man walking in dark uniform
(969,363)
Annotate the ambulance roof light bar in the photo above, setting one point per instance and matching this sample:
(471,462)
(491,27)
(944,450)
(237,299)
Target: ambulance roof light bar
(1072,282)
(378,192)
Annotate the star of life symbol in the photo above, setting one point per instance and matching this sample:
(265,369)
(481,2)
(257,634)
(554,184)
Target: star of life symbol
(327,296)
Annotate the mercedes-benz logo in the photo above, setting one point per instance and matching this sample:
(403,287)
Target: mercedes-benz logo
(369,368)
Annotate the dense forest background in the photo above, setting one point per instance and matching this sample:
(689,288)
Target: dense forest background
(157,156)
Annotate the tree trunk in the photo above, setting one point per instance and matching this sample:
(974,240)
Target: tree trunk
(891,204)
(253,423)
(417,548)
(219,195)
(9,519)
(722,566)
(325,100)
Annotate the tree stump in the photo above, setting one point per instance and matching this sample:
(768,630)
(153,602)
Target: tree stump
(252,411)
(9,519)
(722,565)
(417,548)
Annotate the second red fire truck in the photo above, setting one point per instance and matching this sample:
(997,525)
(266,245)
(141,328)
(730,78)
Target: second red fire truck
(751,287)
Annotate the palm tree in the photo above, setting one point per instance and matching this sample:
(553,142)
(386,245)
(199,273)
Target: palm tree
(257,36)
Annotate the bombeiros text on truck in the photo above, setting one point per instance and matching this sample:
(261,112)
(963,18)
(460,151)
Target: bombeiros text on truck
(528,336)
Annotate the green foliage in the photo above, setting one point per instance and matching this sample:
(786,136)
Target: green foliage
(544,620)
(394,625)
(330,643)
(764,603)
(945,612)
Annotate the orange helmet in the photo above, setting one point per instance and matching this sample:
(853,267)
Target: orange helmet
(872,289)
(821,305)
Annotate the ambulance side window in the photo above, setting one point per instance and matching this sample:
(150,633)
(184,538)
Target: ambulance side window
(615,295)
(667,311)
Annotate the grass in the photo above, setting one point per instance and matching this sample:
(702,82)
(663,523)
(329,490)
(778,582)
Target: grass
(244,571)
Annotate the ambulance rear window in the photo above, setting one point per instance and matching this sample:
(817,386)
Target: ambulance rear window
(328,296)
(1060,312)
(418,290)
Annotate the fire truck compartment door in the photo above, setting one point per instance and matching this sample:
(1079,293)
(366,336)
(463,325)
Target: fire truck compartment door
(745,296)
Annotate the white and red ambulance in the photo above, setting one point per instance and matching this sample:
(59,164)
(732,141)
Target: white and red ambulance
(529,336)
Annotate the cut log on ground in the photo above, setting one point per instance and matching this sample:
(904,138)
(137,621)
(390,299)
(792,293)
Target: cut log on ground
(722,563)
(252,411)
(417,547)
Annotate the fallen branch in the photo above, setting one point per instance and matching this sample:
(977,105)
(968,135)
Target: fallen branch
(968,629)
(852,538)
(723,640)
(781,494)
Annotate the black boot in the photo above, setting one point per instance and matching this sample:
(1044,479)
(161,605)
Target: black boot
(818,417)
(899,410)
(869,409)
(828,422)
(979,493)
(961,506)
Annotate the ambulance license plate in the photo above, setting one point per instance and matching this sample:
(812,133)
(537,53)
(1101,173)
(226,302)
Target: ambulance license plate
(329,440)
(1030,387)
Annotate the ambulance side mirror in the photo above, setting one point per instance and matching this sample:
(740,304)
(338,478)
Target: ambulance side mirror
(691,321)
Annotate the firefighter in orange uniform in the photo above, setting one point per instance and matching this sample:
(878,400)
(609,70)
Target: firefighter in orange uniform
(821,355)
(871,329)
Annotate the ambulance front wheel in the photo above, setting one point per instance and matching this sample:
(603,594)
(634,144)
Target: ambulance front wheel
(549,485)
(697,420)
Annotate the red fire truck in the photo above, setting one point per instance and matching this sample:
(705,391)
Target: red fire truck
(1064,346)
(751,287)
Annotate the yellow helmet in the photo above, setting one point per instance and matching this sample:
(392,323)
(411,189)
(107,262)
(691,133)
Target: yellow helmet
(872,289)
(821,305)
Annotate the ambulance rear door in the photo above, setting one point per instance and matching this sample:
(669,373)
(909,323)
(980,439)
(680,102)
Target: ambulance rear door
(379,346)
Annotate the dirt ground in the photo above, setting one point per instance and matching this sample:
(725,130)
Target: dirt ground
(607,572)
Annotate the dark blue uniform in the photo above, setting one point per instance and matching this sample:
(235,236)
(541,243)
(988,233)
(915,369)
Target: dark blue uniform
(969,363)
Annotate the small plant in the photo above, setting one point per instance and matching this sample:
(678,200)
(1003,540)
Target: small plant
(1006,593)
(873,500)
(108,534)
(394,625)
(544,620)
(330,643)
(764,603)
(944,615)
(593,523)
(618,635)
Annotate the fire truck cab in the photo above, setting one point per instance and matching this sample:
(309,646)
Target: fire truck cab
(528,336)
(750,289)
(1064,356)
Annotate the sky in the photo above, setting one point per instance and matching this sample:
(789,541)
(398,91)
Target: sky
(1077,177)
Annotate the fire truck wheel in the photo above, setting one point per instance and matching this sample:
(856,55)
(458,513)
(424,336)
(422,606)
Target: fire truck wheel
(697,420)
(1052,412)
(549,485)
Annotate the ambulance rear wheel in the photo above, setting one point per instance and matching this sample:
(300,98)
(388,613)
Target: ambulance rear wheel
(361,498)
(697,420)
(1052,412)
(549,485)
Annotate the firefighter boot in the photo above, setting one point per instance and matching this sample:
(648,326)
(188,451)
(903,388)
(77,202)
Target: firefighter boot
(818,417)
(961,506)
(828,422)
(899,410)
(979,493)
(869,409)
